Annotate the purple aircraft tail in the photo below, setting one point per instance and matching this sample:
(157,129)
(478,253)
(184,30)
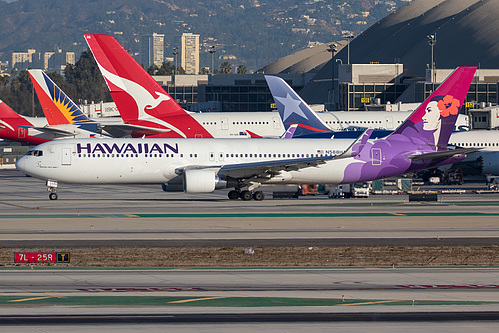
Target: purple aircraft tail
(434,119)
(421,141)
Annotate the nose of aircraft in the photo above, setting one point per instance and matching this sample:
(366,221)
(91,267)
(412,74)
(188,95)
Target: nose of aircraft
(21,164)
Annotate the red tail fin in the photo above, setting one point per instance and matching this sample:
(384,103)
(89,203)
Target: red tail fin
(136,94)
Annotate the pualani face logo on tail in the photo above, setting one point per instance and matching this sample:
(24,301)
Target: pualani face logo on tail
(427,129)
(436,110)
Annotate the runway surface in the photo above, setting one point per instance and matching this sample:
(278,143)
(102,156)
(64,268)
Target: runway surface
(139,215)
(244,300)
(222,299)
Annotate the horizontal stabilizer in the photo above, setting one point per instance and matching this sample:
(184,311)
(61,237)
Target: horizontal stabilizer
(290,132)
(124,130)
(253,134)
(357,146)
(51,130)
(445,153)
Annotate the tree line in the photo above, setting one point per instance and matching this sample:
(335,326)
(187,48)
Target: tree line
(82,82)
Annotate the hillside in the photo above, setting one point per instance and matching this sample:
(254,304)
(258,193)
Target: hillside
(255,32)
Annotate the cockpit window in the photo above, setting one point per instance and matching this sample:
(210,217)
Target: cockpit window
(35,153)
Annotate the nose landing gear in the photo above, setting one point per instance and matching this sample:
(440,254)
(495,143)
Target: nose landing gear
(52,188)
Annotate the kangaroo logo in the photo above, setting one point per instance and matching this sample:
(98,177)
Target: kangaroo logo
(161,98)
(143,99)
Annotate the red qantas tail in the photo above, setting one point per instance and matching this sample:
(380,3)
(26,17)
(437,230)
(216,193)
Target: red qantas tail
(139,98)
(10,126)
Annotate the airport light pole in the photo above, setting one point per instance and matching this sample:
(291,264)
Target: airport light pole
(175,52)
(212,51)
(432,40)
(348,38)
(333,48)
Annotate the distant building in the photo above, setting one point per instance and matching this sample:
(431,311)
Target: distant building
(22,60)
(52,61)
(152,50)
(57,61)
(190,53)
(46,59)
(4,65)
(70,58)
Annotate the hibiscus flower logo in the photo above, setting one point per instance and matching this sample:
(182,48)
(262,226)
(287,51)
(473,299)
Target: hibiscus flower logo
(448,106)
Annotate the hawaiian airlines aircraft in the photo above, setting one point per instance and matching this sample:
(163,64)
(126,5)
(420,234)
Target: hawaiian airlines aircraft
(201,166)
(142,101)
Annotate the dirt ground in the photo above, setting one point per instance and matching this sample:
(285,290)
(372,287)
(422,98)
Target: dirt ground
(270,256)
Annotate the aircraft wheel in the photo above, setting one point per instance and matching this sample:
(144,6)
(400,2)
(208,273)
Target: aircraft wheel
(53,196)
(233,195)
(258,196)
(246,195)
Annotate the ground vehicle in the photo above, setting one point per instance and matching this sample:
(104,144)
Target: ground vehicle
(492,182)
(357,190)
(453,177)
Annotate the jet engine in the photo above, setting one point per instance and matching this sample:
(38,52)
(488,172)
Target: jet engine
(490,162)
(202,181)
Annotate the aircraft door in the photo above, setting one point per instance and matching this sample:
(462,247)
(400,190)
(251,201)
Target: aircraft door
(212,157)
(66,156)
(21,132)
(277,122)
(376,156)
(389,122)
(224,121)
(221,157)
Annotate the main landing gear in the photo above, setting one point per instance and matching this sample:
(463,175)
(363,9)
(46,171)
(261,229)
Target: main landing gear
(52,188)
(246,195)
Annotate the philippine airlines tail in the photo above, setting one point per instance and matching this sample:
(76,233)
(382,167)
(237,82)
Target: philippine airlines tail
(57,106)
(293,109)
(139,98)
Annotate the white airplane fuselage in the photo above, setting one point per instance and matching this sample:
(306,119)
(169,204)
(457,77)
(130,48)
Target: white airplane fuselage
(488,143)
(156,160)
(269,124)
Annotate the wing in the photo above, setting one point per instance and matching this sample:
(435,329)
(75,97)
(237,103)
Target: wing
(261,170)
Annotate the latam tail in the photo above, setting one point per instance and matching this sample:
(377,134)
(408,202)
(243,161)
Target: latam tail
(293,109)
(139,98)
(58,108)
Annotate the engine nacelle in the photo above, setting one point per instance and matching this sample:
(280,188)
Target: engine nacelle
(172,187)
(202,181)
(490,162)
